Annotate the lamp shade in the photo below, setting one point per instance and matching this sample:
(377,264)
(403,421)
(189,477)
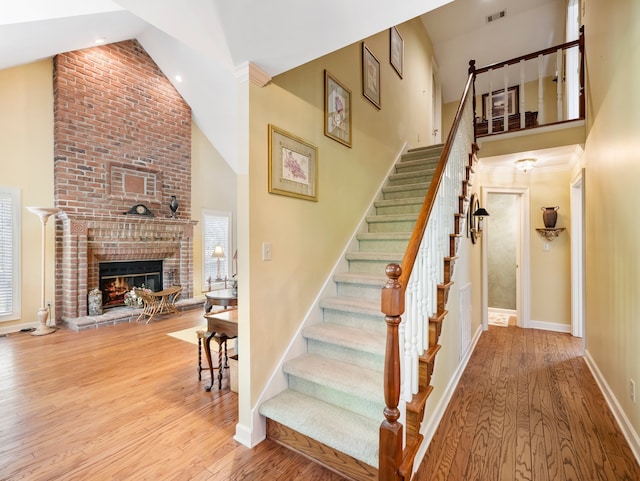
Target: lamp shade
(481,212)
(218,252)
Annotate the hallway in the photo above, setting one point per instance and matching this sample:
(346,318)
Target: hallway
(528,408)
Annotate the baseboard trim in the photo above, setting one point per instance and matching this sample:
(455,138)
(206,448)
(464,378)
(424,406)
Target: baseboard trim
(549,326)
(430,427)
(626,427)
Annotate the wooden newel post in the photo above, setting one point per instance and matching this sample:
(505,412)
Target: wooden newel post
(390,429)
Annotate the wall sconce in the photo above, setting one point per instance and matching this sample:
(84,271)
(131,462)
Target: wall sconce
(218,253)
(476,215)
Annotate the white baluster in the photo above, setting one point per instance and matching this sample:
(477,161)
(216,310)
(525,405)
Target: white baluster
(522,112)
(506,98)
(559,75)
(489,106)
(540,90)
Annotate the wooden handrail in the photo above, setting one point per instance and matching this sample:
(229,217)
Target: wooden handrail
(392,305)
(529,56)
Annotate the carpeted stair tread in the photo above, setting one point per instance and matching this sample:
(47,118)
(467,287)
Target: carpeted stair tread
(338,375)
(338,428)
(346,336)
(374,256)
(391,218)
(395,202)
(361,278)
(403,187)
(353,304)
(384,236)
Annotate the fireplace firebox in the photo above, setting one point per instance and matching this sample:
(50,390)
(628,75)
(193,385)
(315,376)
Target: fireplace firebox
(117,278)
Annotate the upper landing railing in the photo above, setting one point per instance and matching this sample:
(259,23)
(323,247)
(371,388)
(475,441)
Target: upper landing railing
(542,88)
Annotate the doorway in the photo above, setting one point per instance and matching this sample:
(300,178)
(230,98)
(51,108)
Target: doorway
(505,253)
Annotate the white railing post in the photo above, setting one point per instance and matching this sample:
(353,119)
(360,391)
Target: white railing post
(540,89)
(560,82)
(521,109)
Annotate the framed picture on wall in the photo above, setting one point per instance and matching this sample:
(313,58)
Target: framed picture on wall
(499,101)
(337,110)
(396,50)
(370,76)
(293,165)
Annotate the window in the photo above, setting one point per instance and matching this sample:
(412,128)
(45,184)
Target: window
(9,254)
(216,230)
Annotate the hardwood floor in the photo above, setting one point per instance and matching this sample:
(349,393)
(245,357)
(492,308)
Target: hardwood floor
(124,403)
(528,408)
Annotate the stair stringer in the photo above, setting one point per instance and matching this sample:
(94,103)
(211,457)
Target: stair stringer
(278,382)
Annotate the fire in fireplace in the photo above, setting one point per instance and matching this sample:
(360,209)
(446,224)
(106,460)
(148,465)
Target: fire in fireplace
(117,278)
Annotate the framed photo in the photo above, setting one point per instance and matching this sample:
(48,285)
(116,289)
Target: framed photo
(370,76)
(293,165)
(499,102)
(396,50)
(337,110)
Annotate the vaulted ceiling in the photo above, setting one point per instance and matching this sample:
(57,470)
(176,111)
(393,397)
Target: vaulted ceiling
(209,43)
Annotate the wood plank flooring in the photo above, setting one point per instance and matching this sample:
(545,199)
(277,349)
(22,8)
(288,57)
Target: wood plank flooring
(124,403)
(528,408)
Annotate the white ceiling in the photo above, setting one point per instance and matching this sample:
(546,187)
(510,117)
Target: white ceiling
(210,42)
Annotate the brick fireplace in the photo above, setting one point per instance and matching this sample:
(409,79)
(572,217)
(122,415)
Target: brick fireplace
(122,139)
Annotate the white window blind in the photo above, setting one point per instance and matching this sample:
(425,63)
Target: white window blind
(216,228)
(9,254)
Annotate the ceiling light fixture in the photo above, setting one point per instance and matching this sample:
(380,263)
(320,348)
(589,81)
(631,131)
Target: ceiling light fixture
(100,41)
(178,78)
(525,164)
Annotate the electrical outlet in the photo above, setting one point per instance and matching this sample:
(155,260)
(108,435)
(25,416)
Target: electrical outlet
(49,304)
(632,390)
(266,251)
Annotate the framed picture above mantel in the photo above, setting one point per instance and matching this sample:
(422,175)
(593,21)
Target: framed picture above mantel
(499,101)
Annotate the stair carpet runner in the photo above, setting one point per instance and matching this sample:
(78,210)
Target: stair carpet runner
(335,391)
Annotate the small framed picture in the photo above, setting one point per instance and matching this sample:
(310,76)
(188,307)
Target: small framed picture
(370,76)
(396,50)
(337,110)
(500,102)
(293,165)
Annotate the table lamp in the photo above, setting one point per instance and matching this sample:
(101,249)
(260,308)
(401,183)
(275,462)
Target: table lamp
(218,253)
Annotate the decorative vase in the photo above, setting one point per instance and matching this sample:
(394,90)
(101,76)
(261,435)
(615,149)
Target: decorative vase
(550,216)
(95,302)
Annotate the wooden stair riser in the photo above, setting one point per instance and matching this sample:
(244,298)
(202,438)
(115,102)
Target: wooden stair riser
(415,412)
(458,223)
(350,468)
(443,296)
(454,241)
(449,265)
(435,327)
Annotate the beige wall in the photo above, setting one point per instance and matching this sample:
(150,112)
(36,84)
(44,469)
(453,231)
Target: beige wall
(612,176)
(26,123)
(26,150)
(308,237)
(213,187)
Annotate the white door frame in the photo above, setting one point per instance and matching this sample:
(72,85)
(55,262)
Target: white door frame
(436,104)
(577,255)
(523,308)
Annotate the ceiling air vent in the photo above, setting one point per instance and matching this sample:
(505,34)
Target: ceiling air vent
(496,16)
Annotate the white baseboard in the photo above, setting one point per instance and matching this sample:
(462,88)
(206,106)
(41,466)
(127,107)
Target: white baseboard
(549,326)
(626,427)
(429,429)
(15,328)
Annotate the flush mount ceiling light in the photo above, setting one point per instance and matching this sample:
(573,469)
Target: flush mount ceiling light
(100,41)
(525,164)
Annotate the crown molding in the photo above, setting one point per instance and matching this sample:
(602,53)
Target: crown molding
(250,72)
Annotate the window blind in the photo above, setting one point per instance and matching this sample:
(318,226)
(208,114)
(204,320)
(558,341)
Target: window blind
(215,230)
(9,254)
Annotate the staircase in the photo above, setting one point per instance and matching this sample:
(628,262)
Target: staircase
(333,407)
